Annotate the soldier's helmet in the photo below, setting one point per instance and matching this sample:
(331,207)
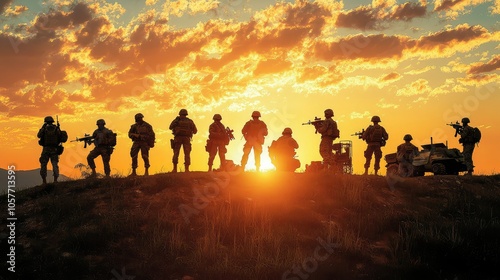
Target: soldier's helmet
(287,130)
(256,114)
(48,119)
(183,112)
(376,119)
(465,120)
(217,117)
(407,137)
(100,121)
(329,112)
(139,116)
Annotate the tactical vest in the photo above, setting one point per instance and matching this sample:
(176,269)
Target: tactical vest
(376,134)
(406,152)
(183,128)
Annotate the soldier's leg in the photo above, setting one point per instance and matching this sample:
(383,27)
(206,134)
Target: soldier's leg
(106,157)
(246,151)
(187,154)
(54,160)
(145,155)
(134,153)
(212,152)
(90,159)
(467,153)
(257,151)
(177,149)
(368,155)
(222,155)
(378,156)
(44,159)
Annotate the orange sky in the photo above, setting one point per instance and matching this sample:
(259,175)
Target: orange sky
(416,64)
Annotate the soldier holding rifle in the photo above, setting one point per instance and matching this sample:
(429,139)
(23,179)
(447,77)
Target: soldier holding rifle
(143,138)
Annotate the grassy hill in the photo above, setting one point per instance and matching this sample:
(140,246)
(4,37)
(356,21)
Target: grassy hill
(259,226)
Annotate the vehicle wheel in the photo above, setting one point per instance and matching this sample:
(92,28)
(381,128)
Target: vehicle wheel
(438,169)
(392,169)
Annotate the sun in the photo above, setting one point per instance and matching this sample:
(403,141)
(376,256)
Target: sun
(265,165)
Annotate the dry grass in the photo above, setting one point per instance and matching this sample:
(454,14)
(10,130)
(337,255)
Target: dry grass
(251,226)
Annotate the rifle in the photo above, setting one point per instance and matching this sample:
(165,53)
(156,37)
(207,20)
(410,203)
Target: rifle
(136,135)
(88,139)
(229,133)
(315,122)
(458,128)
(57,120)
(359,134)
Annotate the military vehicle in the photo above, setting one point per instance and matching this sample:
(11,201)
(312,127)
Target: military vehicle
(436,158)
(342,157)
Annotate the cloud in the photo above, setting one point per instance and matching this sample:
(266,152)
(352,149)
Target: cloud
(418,87)
(16,11)
(368,48)
(453,8)
(390,77)
(373,17)
(271,66)
(4,4)
(489,66)
(358,115)
(495,8)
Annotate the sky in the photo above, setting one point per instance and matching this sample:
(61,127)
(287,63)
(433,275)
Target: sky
(417,64)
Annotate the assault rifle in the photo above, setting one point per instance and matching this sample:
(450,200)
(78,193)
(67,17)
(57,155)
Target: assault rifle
(88,140)
(136,135)
(229,133)
(359,134)
(315,122)
(458,128)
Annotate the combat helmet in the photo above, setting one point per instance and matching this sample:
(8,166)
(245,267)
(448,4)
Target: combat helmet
(183,112)
(329,112)
(48,119)
(465,120)
(100,121)
(217,117)
(407,137)
(139,116)
(376,119)
(287,130)
(256,114)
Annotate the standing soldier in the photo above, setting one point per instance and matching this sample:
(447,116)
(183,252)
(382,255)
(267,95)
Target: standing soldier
(183,129)
(143,138)
(329,132)
(49,135)
(375,136)
(282,152)
(104,141)
(467,140)
(217,141)
(405,154)
(254,132)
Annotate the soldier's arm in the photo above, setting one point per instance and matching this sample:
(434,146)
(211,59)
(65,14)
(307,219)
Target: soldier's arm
(386,135)
(366,132)
(130,131)
(195,130)
(40,132)
(295,144)
(264,129)
(173,124)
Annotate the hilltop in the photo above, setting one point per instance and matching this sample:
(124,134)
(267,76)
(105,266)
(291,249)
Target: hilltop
(259,226)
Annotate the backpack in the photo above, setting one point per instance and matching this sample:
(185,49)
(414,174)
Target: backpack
(51,136)
(111,138)
(376,134)
(183,128)
(476,135)
(63,136)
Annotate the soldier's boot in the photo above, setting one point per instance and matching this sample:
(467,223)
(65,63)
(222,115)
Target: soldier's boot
(55,179)
(175,168)
(93,174)
(133,173)
(44,181)
(209,168)
(186,167)
(376,171)
(469,173)
(146,172)
(366,171)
